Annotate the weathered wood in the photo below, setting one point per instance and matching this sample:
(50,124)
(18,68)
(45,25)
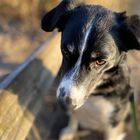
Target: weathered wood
(22,92)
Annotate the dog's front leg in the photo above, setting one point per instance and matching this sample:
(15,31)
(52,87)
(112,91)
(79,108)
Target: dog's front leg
(68,133)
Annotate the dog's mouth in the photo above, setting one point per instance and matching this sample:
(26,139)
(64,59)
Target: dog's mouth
(80,104)
(73,96)
(77,106)
(72,104)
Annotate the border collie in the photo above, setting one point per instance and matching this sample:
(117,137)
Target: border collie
(95,85)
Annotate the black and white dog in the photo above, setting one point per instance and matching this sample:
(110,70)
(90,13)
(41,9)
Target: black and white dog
(95,76)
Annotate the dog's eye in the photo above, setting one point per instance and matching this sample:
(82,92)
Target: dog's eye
(100,62)
(97,63)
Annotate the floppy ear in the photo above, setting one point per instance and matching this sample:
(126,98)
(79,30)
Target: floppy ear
(131,32)
(58,16)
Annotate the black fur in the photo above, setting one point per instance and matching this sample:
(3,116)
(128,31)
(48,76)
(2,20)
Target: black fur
(112,34)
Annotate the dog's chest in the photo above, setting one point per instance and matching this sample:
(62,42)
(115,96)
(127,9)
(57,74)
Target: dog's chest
(95,113)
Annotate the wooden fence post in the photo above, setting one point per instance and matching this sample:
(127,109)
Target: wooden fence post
(21,93)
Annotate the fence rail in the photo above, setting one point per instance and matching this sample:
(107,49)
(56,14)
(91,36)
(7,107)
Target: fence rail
(22,92)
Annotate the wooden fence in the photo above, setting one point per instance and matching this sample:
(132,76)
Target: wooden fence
(21,93)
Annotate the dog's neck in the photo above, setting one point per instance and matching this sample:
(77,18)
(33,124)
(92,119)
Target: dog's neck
(116,90)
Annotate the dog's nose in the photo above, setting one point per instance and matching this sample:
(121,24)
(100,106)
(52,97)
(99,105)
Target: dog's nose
(61,94)
(64,99)
(68,100)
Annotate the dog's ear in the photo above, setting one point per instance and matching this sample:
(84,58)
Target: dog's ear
(131,32)
(58,16)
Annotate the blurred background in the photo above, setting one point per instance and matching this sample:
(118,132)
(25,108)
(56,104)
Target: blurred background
(20,32)
(21,35)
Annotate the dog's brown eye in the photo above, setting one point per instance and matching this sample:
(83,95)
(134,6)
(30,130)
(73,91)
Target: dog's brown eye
(100,62)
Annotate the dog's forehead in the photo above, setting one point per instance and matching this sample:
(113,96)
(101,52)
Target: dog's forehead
(96,18)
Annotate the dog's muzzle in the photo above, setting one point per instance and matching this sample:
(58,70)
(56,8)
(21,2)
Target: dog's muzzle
(64,100)
(72,98)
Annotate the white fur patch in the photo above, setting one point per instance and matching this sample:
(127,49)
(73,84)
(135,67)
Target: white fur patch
(95,113)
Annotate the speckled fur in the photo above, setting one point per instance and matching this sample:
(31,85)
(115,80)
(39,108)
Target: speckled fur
(96,96)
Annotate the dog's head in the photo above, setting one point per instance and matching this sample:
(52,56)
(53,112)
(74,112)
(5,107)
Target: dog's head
(94,40)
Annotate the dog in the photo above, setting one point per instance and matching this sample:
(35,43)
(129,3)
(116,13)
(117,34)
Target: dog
(95,85)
